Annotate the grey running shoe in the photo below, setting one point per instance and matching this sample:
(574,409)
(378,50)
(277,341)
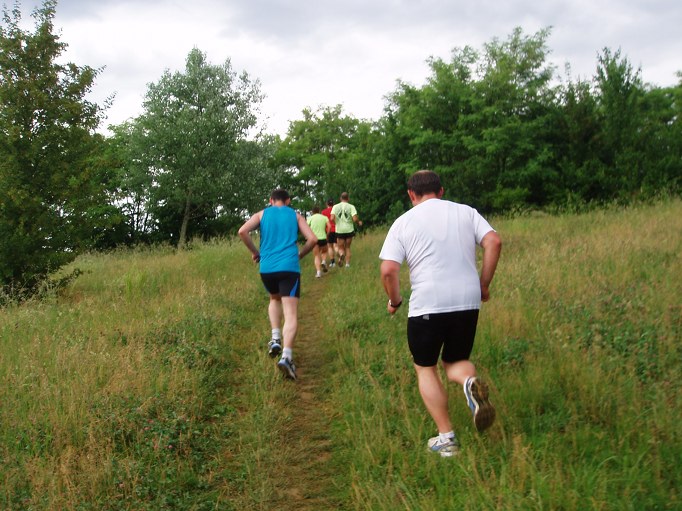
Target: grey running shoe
(446,449)
(274,348)
(483,412)
(287,367)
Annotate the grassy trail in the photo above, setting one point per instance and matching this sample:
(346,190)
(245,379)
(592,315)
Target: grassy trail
(306,481)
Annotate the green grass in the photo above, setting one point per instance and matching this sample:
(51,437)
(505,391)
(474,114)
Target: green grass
(144,384)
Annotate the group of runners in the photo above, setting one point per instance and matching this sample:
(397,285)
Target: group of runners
(334,228)
(438,239)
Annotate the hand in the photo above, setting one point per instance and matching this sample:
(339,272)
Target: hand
(255,257)
(485,293)
(391,309)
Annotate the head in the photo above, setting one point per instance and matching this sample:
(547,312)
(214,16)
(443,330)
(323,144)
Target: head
(344,196)
(424,182)
(330,203)
(316,210)
(280,195)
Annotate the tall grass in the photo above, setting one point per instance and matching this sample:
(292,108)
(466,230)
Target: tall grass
(581,344)
(145,385)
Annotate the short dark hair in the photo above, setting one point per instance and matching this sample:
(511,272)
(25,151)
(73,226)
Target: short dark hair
(344,196)
(316,209)
(423,182)
(279,194)
(330,203)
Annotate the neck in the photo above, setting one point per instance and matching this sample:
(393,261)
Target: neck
(421,198)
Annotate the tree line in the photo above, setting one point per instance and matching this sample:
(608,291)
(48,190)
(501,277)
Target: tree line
(502,127)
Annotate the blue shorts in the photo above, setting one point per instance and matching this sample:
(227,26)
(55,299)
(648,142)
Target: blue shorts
(282,283)
(451,333)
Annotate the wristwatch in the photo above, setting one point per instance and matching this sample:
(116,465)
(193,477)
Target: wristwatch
(395,306)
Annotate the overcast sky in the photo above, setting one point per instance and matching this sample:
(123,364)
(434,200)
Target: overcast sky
(349,52)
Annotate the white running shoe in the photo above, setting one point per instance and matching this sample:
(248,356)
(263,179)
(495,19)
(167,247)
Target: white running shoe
(446,449)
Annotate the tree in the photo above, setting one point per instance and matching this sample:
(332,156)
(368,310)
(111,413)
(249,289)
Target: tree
(194,144)
(318,151)
(51,194)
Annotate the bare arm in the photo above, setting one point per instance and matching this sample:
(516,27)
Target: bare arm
(390,278)
(310,238)
(492,246)
(357,220)
(244,233)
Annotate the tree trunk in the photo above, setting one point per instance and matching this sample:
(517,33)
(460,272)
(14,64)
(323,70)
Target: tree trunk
(183,228)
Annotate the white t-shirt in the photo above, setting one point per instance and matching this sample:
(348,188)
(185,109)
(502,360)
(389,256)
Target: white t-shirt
(438,240)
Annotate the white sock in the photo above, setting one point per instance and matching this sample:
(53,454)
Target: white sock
(276,333)
(446,437)
(287,353)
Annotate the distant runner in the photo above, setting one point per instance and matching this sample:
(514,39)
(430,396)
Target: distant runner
(345,216)
(438,240)
(319,225)
(280,270)
(332,249)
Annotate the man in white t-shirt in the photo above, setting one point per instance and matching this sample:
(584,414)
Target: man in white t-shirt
(438,240)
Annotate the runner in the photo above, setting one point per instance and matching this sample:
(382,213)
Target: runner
(319,225)
(438,239)
(280,270)
(344,215)
(332,249)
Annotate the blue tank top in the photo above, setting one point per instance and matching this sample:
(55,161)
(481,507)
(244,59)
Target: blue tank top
(278,240)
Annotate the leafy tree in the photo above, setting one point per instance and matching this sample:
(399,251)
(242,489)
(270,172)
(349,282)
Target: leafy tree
(133,191)
(620,91)
(52,199)
(318,153)
(194,146)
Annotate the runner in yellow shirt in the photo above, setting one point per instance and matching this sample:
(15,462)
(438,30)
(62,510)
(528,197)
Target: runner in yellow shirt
(344,215)
(320,226)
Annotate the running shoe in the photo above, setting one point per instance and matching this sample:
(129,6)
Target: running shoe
(483,412)
(324,267)
(332,264)
(446,449)
(274,348)
(318,275)
(287,367)
(342,258)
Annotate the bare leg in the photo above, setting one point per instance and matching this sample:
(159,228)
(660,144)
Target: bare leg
(341,243)
(290,306)
(459,371)
(316,253)
(275,311)
(348,243)
(435,396)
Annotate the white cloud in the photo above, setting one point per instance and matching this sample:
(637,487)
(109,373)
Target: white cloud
(326,52)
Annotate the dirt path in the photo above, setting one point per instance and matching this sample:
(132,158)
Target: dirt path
(308,478)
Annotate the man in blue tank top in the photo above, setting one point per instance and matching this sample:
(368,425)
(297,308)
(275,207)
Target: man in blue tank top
(280,270)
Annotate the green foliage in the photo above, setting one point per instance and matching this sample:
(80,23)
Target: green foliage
(188,164)
(52,197)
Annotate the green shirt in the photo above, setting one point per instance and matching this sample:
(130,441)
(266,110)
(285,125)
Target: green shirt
(343,217)
(318,223)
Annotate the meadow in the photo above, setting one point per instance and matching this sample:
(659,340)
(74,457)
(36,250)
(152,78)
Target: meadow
(145,383)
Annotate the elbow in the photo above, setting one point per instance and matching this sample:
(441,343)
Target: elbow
(492,241)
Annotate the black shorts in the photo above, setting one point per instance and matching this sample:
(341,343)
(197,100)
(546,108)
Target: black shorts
(344,235)
(283,283)
(331,237)
(450,332)
(321,243)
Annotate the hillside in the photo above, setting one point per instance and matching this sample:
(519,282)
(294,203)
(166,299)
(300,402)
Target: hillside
(146,384)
